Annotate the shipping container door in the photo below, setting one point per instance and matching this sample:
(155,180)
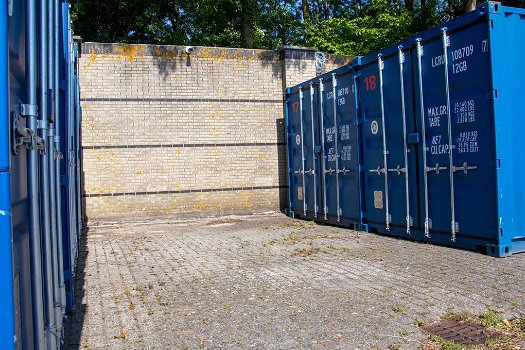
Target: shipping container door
(303,137)
(17,190)
(456,117)
(389,159)
(340,147)
(67,168)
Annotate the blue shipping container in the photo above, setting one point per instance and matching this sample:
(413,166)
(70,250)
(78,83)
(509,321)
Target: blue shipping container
(33,131)
(323,149)
(440,116)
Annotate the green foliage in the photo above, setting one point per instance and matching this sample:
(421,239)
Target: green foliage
(397,309)
(521,324)
(447,344)
(491,319)
(373,28)
(353,27)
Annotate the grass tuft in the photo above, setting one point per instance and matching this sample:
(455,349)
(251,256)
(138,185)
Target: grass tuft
(491,319)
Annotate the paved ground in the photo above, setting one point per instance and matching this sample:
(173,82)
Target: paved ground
(270,282)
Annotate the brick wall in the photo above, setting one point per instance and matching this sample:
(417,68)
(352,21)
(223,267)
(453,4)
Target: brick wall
(167,133)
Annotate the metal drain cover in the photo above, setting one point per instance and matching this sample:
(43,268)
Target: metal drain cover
(461,332)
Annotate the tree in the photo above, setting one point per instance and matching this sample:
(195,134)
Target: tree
(335,26)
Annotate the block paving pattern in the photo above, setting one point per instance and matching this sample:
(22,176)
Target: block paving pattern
(271,282)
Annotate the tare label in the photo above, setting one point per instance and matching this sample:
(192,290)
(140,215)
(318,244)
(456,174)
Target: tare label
(329,132)
(434,115)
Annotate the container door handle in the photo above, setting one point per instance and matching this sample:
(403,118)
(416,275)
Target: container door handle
(378,170)
(399,170)
(329,171)
(464,168)
(437,168)
(343,171)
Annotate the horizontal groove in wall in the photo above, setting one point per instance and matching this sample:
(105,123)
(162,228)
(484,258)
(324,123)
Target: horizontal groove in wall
(118,194)
(152,99)
(189,145)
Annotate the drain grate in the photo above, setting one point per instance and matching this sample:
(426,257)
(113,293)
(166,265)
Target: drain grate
(461,332)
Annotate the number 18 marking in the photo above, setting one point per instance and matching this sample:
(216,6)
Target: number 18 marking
(370,83)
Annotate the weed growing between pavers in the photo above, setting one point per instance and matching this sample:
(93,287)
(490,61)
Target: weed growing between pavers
(446,344)
(491,319)
(397,309)
(304,252)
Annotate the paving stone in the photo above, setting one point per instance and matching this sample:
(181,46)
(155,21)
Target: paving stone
(270,282)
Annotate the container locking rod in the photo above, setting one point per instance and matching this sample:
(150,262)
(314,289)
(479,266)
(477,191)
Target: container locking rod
(423,133)
(405,146)
(381,66)
(446,44)
(312,171)
(336,139)
(302,147)
(323,165)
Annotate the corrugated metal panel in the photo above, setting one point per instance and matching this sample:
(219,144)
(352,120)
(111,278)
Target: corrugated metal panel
(323,152)
(441,117)
(22,310)
(389,160)
(506,31)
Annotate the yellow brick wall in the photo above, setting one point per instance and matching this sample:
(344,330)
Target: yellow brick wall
(167,133)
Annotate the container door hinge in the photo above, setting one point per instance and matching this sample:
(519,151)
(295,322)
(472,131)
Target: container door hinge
(495,93)
(58,155)
(40,124)
(23,136)
(27,110)
(41,145)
